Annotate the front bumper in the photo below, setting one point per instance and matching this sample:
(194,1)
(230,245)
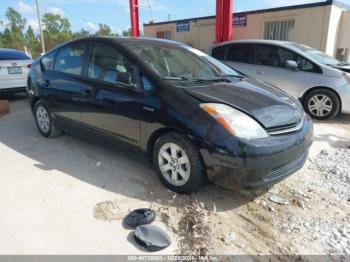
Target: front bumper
(344,94)
(247,164)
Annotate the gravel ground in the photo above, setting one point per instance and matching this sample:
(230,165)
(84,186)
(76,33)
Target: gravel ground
(69,196)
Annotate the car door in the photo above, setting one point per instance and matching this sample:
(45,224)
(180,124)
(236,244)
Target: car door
(114,106)
(62,81)
(270,66)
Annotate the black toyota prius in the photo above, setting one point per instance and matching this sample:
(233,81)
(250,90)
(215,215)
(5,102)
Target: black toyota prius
(193,116)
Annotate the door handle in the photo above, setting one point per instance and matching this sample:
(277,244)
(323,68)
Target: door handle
(259,72)
(47,83)
(147,108)
(85,92)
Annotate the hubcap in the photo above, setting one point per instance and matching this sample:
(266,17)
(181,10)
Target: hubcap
(320,105)
(174,164)
(43,119)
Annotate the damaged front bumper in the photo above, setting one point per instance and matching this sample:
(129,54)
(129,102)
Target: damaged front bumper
(259,162)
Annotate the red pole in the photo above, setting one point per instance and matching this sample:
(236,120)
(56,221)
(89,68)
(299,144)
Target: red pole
(134,14)
(224,10)
(219,19)
(227,20)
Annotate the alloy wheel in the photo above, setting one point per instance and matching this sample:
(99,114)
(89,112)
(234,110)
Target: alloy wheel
(174,164)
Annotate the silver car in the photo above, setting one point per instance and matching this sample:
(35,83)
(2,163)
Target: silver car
(320,82)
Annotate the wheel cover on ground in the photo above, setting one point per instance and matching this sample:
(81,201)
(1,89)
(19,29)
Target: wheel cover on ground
(320,105)
(174,164)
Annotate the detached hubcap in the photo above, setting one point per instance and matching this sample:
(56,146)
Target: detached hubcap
(42,117)
(320,105)
(174,164)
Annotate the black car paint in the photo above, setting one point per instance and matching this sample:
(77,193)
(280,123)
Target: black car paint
(136,117)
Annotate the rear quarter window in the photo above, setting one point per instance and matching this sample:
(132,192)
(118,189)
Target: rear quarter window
(48,60)
(13,55)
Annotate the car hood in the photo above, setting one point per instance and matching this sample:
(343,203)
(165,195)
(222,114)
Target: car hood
(345,68)
(269,105)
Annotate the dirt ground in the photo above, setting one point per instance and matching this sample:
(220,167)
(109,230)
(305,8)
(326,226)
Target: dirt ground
(69,196)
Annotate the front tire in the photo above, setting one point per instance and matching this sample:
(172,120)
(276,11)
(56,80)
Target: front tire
(178,163)
(322,104)
(44,121)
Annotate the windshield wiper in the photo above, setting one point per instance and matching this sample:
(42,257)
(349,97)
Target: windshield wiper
(194,79)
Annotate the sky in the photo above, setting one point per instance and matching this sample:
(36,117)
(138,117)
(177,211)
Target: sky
(115,13)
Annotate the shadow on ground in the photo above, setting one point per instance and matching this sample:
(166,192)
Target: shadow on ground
(101,165)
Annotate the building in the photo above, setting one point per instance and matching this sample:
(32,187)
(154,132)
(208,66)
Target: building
(324,26)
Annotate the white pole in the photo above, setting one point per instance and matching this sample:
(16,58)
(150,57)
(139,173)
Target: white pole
(40,28)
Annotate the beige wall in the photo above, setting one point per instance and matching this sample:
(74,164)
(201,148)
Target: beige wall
(333,30)
(319,27)
(344,33)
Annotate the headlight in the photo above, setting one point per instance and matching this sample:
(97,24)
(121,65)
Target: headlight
(346,76)
(234,121)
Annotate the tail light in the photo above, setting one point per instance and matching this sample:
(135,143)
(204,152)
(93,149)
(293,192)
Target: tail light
(29,66)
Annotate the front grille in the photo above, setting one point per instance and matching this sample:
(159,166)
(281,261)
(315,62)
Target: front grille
(286,169)
(286,129)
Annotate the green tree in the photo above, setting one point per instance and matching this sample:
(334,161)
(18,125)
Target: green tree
(32,42)
(56,30)
(12,36)
(126,32)
(82,33)
(104,30)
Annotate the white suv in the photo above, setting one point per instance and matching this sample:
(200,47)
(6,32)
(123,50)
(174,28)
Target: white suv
(319,81)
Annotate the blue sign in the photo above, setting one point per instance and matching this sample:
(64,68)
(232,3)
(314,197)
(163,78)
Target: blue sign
(239,21)
(183,26)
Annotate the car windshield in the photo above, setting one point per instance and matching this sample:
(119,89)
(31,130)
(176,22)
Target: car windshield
(318,55)
(181,62)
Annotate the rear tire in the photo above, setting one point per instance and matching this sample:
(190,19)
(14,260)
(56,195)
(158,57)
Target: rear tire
(178,163)
(322,104)
(44,121)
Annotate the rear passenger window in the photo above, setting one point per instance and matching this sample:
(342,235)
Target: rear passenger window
(70,59)
(219,52)
(47,61)
(240,53)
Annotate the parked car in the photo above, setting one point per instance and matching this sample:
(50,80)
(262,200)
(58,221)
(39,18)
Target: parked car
(192,115)
(319,81)
(14,69)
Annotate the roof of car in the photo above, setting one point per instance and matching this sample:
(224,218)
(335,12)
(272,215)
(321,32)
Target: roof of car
(131,40)
(8,50)
(125,41)
(255,41)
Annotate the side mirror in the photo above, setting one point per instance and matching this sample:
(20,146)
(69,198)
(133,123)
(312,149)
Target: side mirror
(124,77)
(290,64)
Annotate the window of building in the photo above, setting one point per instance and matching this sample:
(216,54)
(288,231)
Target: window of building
(164,34)
(242,53)
(106,62)
(279,30)
(70,59)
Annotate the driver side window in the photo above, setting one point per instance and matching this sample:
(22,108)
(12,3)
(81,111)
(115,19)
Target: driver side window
(106,62)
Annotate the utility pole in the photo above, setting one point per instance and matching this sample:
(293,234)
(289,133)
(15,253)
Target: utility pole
(40,28)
